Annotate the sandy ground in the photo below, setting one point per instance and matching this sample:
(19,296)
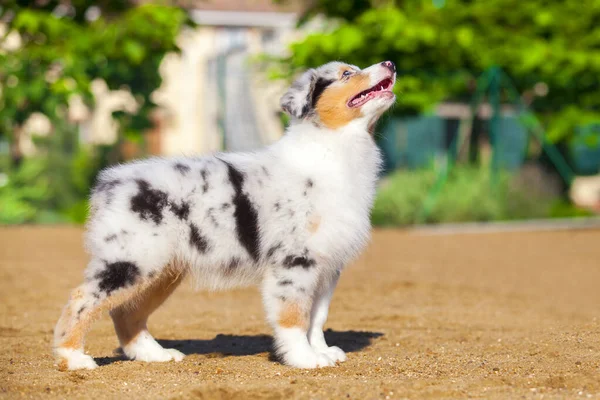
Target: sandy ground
(511,315)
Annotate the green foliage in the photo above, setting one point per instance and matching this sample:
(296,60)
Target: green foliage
(564,209)
(61,52)
(52,187)
(60,56)
(468,195)
(440,47)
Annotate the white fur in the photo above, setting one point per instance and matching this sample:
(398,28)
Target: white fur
(145,348)
(76,359)
(312,192)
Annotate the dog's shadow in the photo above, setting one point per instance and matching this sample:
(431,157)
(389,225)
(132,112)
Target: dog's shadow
(246,345)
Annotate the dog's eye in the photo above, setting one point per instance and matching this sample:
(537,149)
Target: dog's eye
(346,73)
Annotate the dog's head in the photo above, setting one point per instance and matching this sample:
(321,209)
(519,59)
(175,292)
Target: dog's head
(336,93)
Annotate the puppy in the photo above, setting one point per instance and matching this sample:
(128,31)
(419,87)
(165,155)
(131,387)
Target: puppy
(288,217)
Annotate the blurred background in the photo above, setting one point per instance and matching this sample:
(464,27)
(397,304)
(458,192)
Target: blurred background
(497,115)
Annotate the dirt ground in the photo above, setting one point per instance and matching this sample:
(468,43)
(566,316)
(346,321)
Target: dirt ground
(422,316)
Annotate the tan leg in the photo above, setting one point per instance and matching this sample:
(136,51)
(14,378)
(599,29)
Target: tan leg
(130,320)
(84,306)
(132,301)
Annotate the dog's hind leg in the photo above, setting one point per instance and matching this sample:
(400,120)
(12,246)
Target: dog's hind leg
(83,307)
(107,286)
(131,317)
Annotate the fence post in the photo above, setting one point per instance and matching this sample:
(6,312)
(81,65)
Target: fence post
(495,85)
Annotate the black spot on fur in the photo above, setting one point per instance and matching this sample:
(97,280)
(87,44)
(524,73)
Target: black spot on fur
(117,275)
(320,87)
(282,298)
(265,171)
(96,295)
(205,185)
(197,240)
(210,214)
(82,309)
(285,282)
(245,214)
(233,265)
(277,206)
(110,238)
(107,187)
(306,108)
(182,168)
(225,206)
(182,211)
(273,249)
(309,184)
(151,274)
(149,203)
(302,261)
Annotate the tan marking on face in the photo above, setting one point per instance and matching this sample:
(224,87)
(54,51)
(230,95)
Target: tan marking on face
(313,223)
(332,107)
(292,316)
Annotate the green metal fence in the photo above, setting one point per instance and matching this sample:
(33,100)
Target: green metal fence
(422,141)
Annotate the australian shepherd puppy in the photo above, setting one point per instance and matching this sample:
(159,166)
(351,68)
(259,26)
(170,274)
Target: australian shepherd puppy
(288,218)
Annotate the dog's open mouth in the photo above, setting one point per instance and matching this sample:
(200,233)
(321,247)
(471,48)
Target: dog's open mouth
(382,88)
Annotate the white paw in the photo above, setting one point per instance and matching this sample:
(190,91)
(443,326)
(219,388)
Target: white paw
(307,359)
(71,359)
(334,353)
(145,348)
(176,354)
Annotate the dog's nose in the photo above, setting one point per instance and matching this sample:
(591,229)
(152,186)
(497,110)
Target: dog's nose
(389,65)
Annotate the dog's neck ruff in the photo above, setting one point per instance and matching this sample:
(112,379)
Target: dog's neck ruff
(347,150)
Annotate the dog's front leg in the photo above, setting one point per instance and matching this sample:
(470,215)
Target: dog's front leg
(288,294)
(318,317)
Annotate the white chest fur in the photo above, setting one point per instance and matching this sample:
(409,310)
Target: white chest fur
(326,181)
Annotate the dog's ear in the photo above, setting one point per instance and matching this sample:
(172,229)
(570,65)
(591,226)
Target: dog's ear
(297,101)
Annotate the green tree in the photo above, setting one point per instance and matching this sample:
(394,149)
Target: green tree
(63,47)
(441,46)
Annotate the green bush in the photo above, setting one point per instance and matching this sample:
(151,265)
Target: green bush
(59,57)
(53,186)
(469,194)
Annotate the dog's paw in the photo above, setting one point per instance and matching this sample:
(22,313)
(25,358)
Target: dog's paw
(307,359)
(148,350)
(70,359)
(176,354)
(334,353)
